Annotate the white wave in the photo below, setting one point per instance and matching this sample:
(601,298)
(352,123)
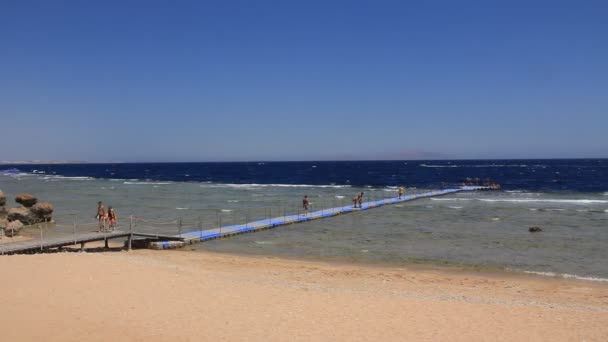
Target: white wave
(479,165)
(264,243)
(526,200)
(233,201)
(337,196)
(178,208)
(69,178)
(454,207)
(255,185)
(147,183)
(567,276)
(425,165)
(548,200)
(495,218)
(226,210)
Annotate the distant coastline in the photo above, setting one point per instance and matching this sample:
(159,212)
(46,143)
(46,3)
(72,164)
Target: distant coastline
(35,162)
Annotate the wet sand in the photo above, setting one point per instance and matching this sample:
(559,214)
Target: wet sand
(179,295)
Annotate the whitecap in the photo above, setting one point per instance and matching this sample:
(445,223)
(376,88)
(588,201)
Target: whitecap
(567,276)
(255,185)
(264,243)
(337,196)
(454,207)
(233,201)
(425,165)
(146,183)
(495,218)
(68,178)
(547,200)
(226,210)
(178,208)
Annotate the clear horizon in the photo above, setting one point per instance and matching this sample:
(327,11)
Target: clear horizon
(147,81)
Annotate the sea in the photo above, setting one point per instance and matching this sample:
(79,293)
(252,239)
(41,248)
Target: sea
(567,198)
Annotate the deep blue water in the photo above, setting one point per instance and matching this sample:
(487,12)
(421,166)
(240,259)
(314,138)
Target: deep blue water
(576,175)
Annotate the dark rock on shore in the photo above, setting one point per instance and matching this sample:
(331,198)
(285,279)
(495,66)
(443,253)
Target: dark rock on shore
(26,200)
(43,211)
(2,199)
(22,214)
(535,229)
(13,228)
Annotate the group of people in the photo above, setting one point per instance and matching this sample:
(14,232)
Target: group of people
(107,220)
(486,182)
(357,200)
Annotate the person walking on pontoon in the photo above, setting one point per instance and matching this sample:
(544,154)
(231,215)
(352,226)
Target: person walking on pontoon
(305,204)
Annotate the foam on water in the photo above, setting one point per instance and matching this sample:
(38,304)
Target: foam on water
(255,185)
(567,276)
(526,200)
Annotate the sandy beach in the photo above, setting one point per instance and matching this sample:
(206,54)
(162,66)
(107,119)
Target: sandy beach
(179,295)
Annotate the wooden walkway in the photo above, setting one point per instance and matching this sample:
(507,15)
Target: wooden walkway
(38,245)
(41,245)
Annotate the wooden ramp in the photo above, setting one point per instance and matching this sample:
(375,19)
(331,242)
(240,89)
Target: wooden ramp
(38,245)
(41,245)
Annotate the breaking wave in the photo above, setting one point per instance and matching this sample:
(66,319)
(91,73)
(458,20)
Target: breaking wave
(567,276)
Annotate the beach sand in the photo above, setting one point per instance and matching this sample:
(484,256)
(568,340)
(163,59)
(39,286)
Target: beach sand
(179,295)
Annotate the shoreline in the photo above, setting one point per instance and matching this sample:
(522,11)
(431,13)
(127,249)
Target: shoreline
(181,295)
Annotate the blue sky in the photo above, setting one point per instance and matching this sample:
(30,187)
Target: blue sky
(301,80)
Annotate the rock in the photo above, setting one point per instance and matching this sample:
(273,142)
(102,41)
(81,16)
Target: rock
(26,200)
(535,229)
(22,214)
(43,211)
(2,199)
(3,223)
(13,228)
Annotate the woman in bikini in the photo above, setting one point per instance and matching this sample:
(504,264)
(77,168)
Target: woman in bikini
(112,218)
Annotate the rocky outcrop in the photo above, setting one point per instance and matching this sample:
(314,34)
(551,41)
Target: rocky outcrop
(26,200)
(13,228)
(22,214)
(43,211)
(2,203)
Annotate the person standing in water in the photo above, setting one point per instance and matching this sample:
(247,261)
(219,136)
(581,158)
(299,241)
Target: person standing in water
(355,201)
(360,199)
(305,204)
(401,191)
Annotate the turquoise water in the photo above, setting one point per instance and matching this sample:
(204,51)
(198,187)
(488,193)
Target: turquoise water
(469,228)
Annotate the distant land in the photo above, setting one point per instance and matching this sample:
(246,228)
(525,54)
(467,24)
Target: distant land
(30,162)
